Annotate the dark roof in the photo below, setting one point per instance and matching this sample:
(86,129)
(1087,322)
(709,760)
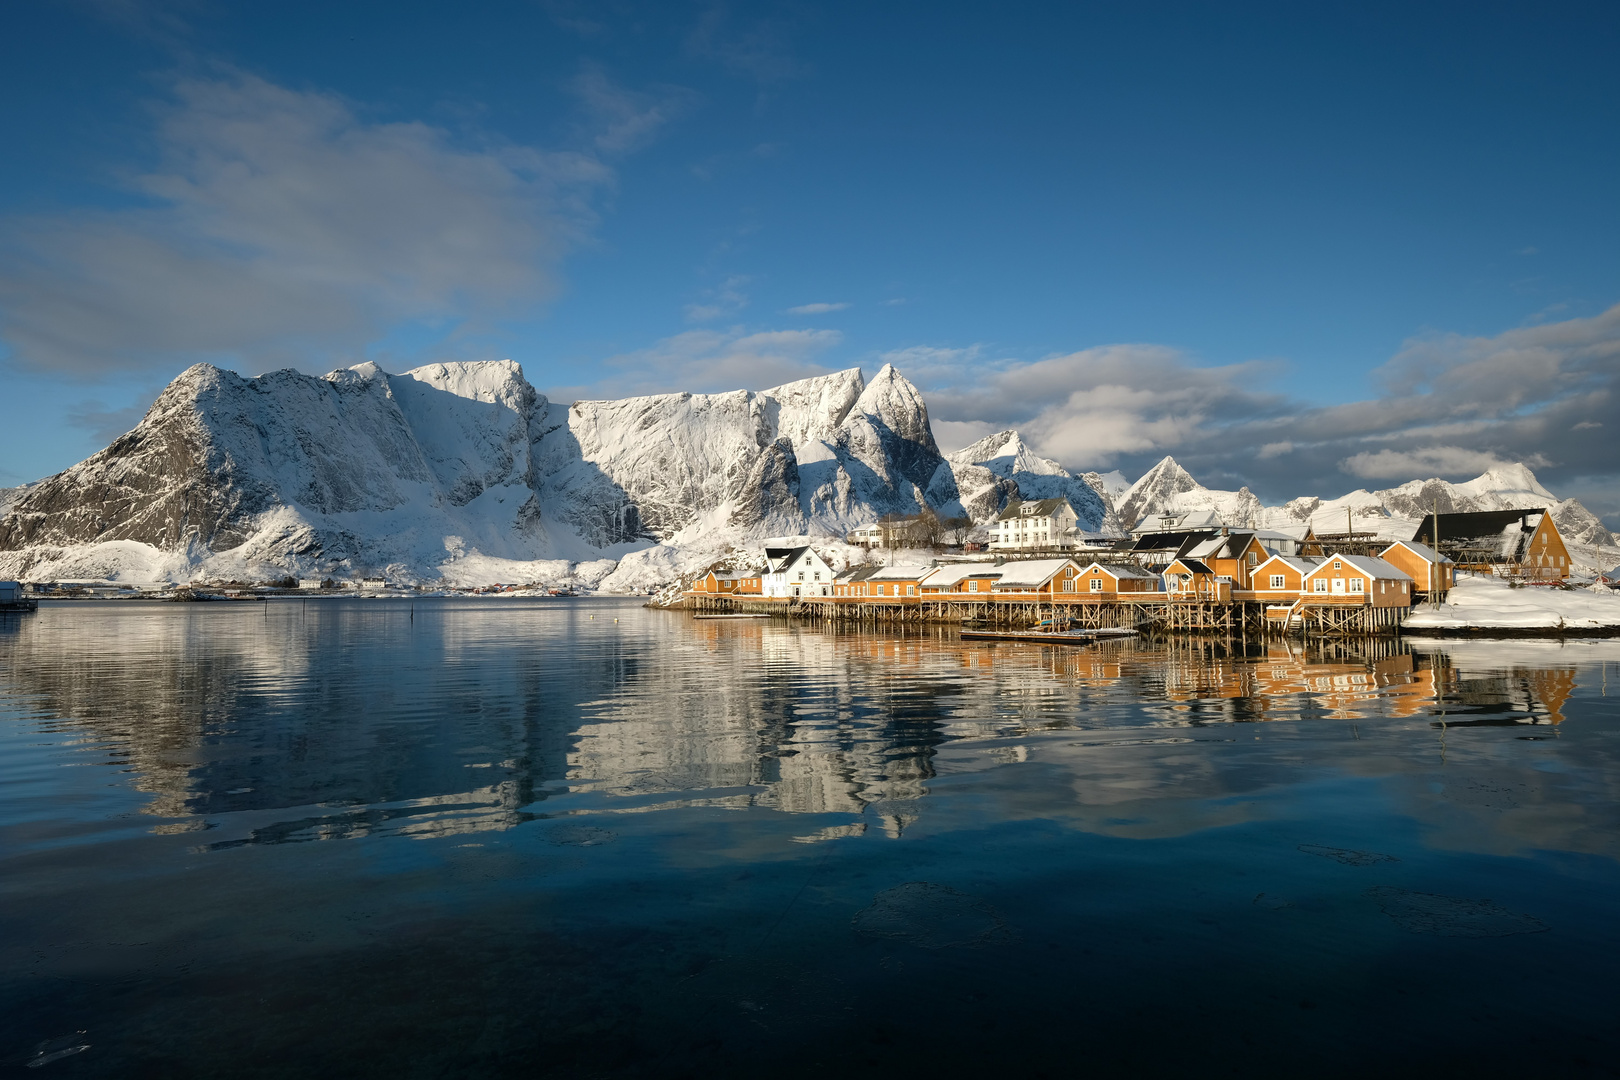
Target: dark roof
(1195,566)
(1171,541)
(1038,508)
(1480,523)
(780,558)
(856,573)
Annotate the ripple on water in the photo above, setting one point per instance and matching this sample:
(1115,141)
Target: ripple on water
(932,916)
(1451,916)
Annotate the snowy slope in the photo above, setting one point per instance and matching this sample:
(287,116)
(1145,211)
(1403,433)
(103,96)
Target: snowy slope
(462,470)
(1167,488)
(1484,603)
(1001,467)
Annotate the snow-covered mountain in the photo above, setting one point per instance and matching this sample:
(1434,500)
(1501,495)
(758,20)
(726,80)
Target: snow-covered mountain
(1001,466)
(360,470)
(464,472)
(1168,488)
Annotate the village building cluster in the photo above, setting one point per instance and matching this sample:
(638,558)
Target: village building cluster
(1037,554)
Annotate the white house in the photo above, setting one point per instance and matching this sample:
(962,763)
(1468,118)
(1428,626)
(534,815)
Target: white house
(795,571)
(1192,519)
(1034,525)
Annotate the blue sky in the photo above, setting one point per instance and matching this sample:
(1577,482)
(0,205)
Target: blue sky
(1301,247)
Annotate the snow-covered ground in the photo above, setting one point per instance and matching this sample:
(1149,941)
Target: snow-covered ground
(1484,603)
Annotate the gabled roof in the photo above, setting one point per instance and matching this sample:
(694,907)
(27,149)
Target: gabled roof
(1476,525)
(1119,570)
(898,573)
(1027,573)
(1173,522)
(1194,565)
(1026,508)
(778,559)
(856,573)
(1230,546)
(1373,567)
(728,575)
(1302,563)
(951,573)
(1422,551)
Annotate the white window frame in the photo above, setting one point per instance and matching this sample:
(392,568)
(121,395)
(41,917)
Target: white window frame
(1278,581)
(1357,585)
(1320,585)
(1097,583)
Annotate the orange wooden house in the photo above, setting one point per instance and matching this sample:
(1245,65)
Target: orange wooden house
(968,580)
(1106,581)
(1431,572)
(1194,579)
(1358,580)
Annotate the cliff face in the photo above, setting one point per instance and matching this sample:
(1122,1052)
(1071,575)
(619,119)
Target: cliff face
(362,470)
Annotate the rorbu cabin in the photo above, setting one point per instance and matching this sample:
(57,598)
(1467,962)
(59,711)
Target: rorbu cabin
(720,582)
(1509,543)
(852,582)
(1188,579)
(895,582)
(962,581)
(1106,581)
(1358,579)
(1281,578)
(1432,573)
(1037,578)
(1231,555)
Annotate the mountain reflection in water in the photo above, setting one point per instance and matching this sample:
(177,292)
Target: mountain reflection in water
(593,772)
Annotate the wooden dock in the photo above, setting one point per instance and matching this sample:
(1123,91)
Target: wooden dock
(1147,613)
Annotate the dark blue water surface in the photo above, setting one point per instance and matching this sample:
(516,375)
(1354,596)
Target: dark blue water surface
(564,838)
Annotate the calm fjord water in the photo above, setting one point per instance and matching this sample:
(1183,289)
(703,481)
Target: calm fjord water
(582,838)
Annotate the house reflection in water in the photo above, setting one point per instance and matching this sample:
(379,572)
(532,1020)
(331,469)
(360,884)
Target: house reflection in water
(354,721)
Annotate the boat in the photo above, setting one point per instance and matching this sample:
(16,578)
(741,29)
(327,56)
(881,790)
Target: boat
(1042,637)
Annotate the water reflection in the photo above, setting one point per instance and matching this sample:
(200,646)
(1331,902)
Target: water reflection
(758,835)
(291,722)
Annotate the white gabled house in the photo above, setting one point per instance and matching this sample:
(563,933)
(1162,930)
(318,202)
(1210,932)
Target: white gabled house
(1034,525)
(796,571)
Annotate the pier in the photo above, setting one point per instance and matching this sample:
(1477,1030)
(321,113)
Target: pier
(1144,612)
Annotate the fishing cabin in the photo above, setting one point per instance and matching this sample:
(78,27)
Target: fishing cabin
(1105,581)
(1523,544)
(1432,573)
(972,579)
(1358,580)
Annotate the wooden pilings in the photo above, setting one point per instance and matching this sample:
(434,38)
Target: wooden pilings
(1237,618)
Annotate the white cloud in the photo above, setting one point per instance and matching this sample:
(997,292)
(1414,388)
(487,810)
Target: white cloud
(281,227)
(816,309)
(1425,462)
(625,119)
(728,298)
(709,361)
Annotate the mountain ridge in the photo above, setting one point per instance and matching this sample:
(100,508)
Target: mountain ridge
(456,470)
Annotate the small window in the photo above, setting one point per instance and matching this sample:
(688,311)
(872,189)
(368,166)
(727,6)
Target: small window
(801,575)
(973,586)
(1276,581)
(1253,558)
(911,590)
(1357,585)
(1096,584)
(1338,566)
(818,575)
(1321,584)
